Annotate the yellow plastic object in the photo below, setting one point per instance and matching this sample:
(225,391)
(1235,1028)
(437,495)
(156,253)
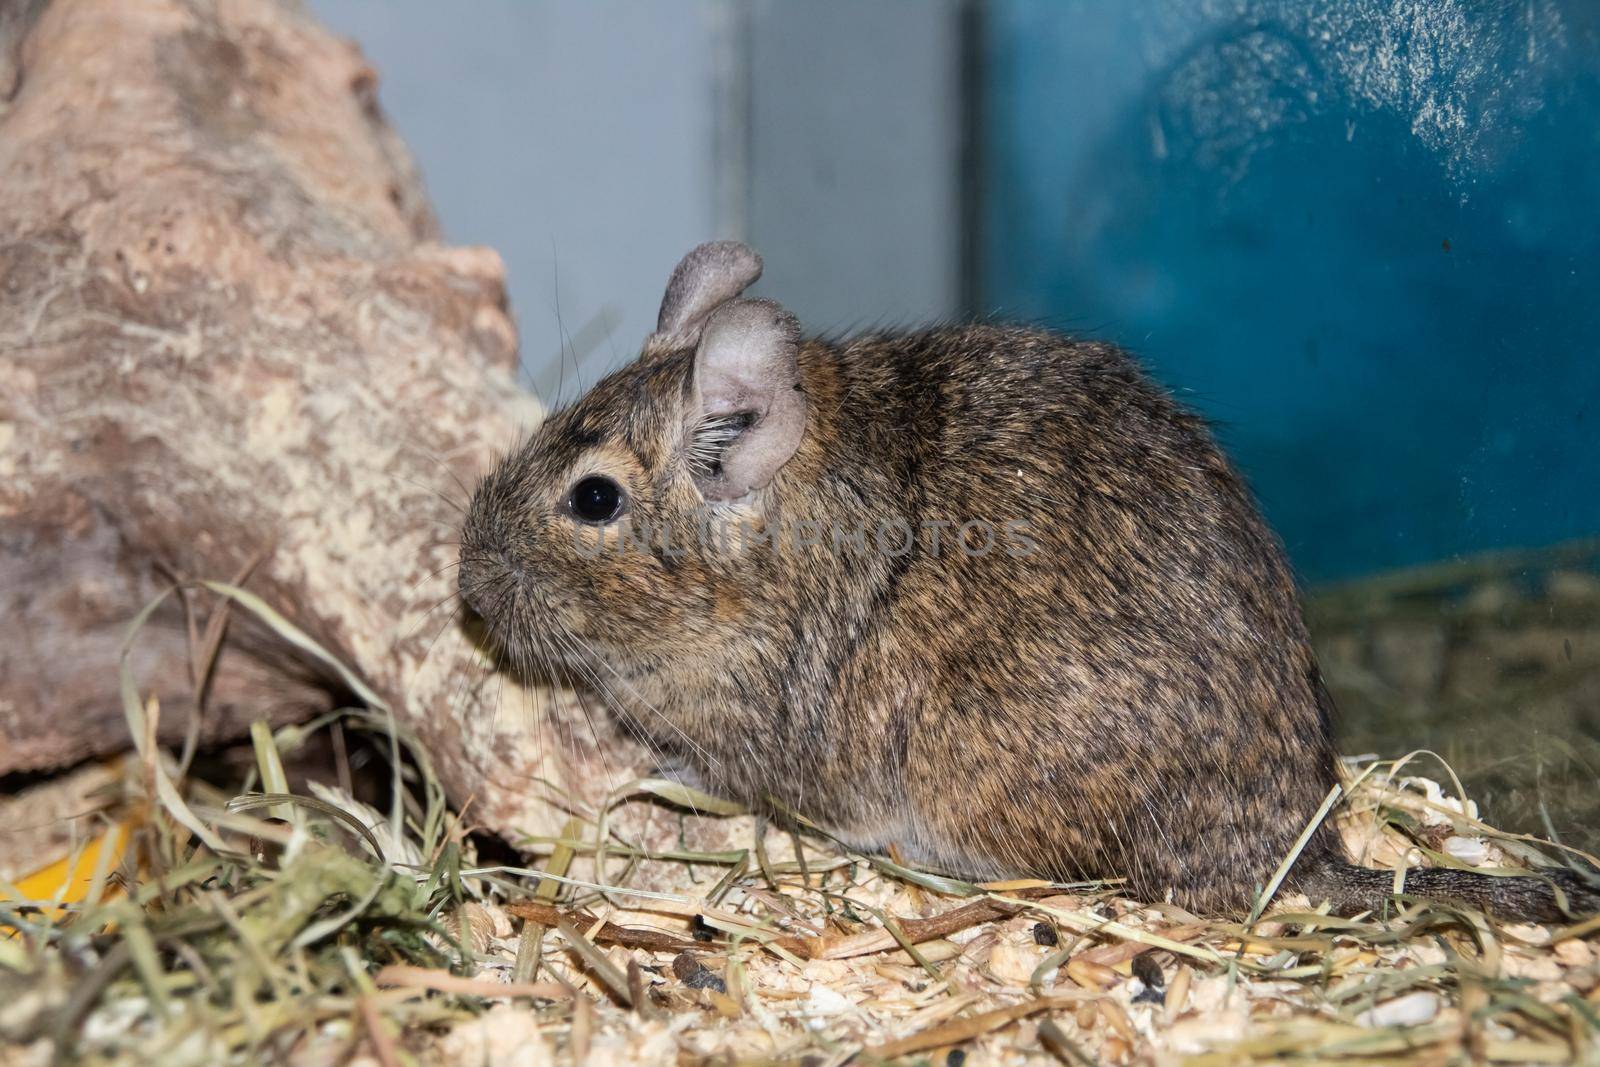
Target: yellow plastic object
(68,880)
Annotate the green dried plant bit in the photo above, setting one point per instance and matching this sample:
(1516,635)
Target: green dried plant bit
(530,952)
(800,859)
(760,849)
(291,801)
(1052,962)
(298,638)
(906,944)
(681,795)
(597,962)
(1056,1042)
(954,887)
(446,876)
(1266,895)
(133,712)
(727,881)
(560,862)
(142,948)
(14,956)
(269,762)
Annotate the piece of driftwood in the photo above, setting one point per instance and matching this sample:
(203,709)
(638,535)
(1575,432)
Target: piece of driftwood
(229,336)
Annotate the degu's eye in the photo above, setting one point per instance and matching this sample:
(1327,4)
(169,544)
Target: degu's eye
(596,499)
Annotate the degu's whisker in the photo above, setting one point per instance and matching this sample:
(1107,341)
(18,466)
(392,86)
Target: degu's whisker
(660,716)
(412,588)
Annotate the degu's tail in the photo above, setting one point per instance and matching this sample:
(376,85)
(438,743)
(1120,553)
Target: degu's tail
(1551,895)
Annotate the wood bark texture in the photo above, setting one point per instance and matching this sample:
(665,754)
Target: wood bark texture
(230,334)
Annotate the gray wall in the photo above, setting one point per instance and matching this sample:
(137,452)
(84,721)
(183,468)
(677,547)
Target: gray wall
(594,142)
(576,138)
(854,158)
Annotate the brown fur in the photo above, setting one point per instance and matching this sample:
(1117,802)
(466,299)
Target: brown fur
(1136,698)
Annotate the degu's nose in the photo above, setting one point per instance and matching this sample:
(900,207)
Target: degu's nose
(482,578)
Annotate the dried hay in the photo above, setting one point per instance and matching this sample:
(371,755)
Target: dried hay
(193,925)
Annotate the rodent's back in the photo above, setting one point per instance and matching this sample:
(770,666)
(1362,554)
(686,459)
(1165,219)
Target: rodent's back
(1137,695)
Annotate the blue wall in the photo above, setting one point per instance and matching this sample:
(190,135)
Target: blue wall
(1362,236)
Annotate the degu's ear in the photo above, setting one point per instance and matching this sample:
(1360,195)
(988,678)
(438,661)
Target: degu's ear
(705,279)
(747,413)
